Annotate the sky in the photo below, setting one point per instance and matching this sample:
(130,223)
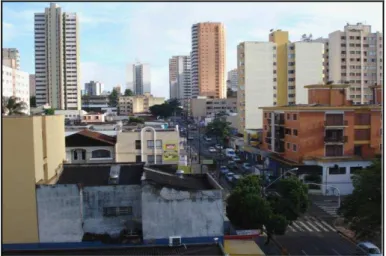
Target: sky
(113,35)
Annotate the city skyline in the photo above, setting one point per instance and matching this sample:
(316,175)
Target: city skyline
(133,33)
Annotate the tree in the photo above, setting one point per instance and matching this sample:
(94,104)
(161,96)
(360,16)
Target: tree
(129,92)
(49,111)
(32,101)
(362,209)
(138,120)
(113,98)
(13,106)
(220,129)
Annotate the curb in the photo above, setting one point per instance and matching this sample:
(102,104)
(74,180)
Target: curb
(351,240)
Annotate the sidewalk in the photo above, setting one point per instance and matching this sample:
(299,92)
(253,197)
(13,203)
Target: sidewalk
(270,249)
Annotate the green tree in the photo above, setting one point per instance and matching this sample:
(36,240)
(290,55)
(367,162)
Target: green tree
(113,98)
(32,101)
(49,111)
(138,120)
(13,106)
(220,129)
(129,92)
(362,210)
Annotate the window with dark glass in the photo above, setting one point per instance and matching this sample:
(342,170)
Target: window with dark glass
(138,158)
(355,169)
(337,170)
(101,153)
(137,144)
(295,132)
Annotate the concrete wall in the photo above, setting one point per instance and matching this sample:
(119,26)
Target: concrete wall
(59,213)
(168,212)
(89,159)
(96,198)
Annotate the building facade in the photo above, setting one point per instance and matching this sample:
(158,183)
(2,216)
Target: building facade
(129,105)
(179,77)
(356,57)
(40,142)
(93,88)
(11,58)
(138,78)
(233,79)
(328,132)
(208,60)
(15,83)
(202,107)
(32,85)
(57,59)
(257,74)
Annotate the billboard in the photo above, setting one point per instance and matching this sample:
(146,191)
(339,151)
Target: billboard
(170,153)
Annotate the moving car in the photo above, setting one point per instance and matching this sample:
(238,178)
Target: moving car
(232,165)
(206,138)
(229,152)
(212,150)
(224,170)
(236,159)
(246,166)
(368,249)
(218,146)
(229,176)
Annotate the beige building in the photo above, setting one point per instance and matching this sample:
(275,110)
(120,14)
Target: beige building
(57,65)
(32,86)
(150,145)
(33,153)
(129,105)
(11,58)
(356,57)
(204,107)
(208,60)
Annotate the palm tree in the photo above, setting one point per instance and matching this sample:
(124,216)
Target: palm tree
(13,106)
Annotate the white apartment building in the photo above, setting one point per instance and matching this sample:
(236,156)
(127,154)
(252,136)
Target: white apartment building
(179,77)
(57,59)
(233,79)
(256,65)
(325,57)
(138,78)
(129,105)
(305,66)
(11,57)
(15,83)
(93,88)
(356,57)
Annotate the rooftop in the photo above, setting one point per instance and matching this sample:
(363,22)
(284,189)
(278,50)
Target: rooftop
(322,107)
(201,249)
(98,174)
(84,136)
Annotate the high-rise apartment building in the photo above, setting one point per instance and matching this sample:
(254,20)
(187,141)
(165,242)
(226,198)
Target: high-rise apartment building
(356,58)
(57,59)
(326,58)
(233,79)
(179,77)
(11,58)
(208,60)
(32,85)
(256,65)
(138,78)
(15,83)
(93,88)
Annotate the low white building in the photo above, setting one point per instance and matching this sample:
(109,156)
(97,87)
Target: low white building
(73,115)
(16,83)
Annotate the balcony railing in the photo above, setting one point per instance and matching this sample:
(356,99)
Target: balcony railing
(339,139)
(279,121)
(336,123)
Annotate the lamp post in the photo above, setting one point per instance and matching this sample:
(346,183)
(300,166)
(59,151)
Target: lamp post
(328,186)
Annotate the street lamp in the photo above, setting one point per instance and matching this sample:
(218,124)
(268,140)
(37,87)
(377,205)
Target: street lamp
(288,171)
(328,186)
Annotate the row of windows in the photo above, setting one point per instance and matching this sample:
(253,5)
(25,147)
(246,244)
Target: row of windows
(150,144)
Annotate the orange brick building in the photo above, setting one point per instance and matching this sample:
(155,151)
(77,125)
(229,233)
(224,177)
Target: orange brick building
(329,132)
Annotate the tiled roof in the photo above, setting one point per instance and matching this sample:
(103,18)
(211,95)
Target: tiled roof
(187,182)
(98,136)
(209,249)
(98,174)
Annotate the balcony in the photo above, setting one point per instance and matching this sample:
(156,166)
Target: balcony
(279,120)
(335,123)
(279,147)
(335,139)
(269,134)
(267,140)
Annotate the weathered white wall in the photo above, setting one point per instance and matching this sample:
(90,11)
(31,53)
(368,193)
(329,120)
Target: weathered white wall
(96,198)
(168,212)
(89,158)
(59,216)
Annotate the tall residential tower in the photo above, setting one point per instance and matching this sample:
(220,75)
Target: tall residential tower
(11,58)
(179,77)
(138,78)
(208,60)
(57,59)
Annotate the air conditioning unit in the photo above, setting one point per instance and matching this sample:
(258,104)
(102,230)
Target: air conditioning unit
(174,240)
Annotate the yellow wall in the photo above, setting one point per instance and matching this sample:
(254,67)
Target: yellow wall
(242,247)
(281,40)
(23,166)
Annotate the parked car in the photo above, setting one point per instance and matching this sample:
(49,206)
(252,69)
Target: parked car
(232,165)
(236,178)
(236,159)
(224,170)
(218,146)
(229,176)
(247,166)
(229,152)
(368,249)
(212,150)
(206,138)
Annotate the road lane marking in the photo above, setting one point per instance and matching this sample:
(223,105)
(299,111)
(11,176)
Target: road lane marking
(301,223)
(337,253)
(294,224)
(327,225)
(304,252)
(321,226)
(292,229)
(309,223)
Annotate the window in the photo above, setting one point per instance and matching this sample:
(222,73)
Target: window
(336,170)
(101,153)
(295,117)
(137,144)
(265,115)
(287,131)
(150,159)
(295,132)
(358,150)
(117,211)
(138,158)
(334,150)
(158,144)
(159,159)
(355,169)
(75,155)
(83,154)
(294,147)
(150,144)
(288,145)
(288,116)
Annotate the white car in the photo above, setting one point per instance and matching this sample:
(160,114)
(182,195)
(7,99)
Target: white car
(229,176)
(246,166)
(207,138)
(236,159)
(368,249)
(218,146)
(212,150)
